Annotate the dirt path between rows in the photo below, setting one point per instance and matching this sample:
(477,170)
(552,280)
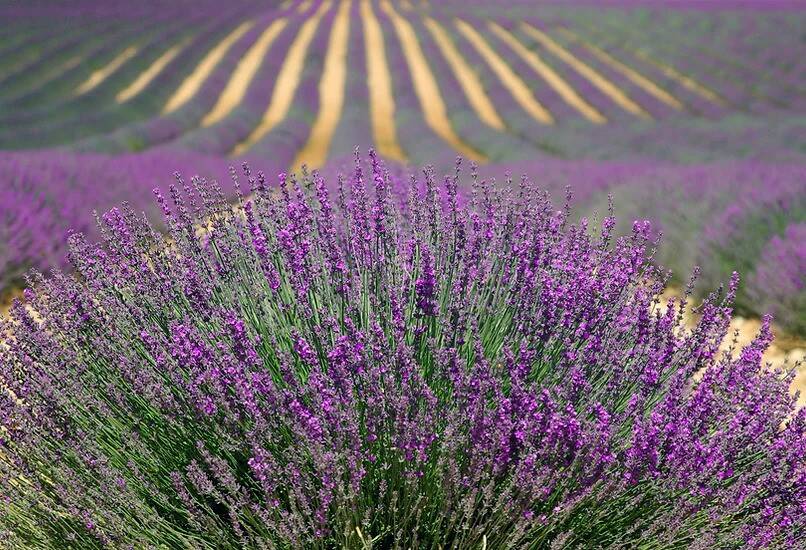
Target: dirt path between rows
(785,350)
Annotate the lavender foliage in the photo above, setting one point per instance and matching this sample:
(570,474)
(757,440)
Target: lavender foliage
(320,371)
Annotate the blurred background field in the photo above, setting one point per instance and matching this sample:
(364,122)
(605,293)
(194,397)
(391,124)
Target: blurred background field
(690,113)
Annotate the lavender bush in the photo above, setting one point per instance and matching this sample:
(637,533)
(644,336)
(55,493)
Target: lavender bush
(313,372)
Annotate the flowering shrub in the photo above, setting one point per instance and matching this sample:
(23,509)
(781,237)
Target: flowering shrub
(719,216)
(315,372)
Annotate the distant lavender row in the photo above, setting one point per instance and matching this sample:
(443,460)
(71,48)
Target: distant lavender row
(699,5)
(759,77)
(706,53)
(750,59)
(46,194)
(53,114)
(779,282)
(114,9)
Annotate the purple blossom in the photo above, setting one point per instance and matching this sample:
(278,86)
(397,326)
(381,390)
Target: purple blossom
(425,286)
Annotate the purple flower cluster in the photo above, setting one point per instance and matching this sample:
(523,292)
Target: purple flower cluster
(308,371)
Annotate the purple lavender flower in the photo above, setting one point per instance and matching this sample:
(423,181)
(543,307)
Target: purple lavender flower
(425,286)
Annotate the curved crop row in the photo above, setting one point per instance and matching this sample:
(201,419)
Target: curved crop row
(548,68)
(107,113)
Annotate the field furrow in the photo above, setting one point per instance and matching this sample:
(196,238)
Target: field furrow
(511,81)
(26,56)
(194,82)
(561,110)
(741,70)
(146,77)
(244,73)
(657,110)
(523,132)
(606,86)
(379,82)
(331,93)
(637,78)
(223,136)
(568,94)
(642,48)
(106,114)
(143,124)
(355,127)
(98,76)
(694,103)
(466,76)
(683,79)
(497,144)
(287,81)
(416,136)
(289,135)
(44,100)
(426,87)
(51,65)
(16,39)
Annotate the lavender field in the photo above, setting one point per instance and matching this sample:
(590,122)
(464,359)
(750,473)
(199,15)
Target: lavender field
(251,299)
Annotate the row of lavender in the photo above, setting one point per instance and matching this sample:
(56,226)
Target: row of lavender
(723,217)
(745,52)
(42,108)
(717,130)
(47,194)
